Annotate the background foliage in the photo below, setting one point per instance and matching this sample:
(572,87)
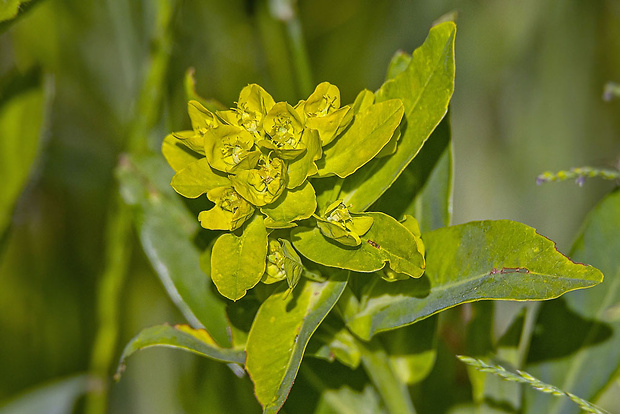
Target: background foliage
(528,98)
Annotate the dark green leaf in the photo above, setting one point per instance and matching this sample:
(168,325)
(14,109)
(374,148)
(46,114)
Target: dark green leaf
(166,231)
(593,315)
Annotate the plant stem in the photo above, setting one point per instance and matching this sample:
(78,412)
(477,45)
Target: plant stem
(118,252)
(286,11)
(394,393)
(119,226)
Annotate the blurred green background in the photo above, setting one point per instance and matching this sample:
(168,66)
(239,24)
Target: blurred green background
(530,76)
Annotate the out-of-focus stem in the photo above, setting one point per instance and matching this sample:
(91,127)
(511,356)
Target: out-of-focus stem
(286,11)
(119,226)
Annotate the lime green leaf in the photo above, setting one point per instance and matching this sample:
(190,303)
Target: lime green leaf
(323,112)
(166,231)
(10,10)
(425,88)
(238,262)
(474,261)
(387,241)
(363,101)
(304,166)
(197,178)
(279,335)
(264,184)
(21,120)
(370,131)
(230,210)
(55,397)
(229,148)
(296,204)
(182,337)
(284,128)
(598,244)
(176,153)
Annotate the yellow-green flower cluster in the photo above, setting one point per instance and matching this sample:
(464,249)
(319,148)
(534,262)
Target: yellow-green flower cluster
(255,152)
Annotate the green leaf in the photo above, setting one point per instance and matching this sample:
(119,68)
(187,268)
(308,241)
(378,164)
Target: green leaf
(305,166)
(197,179)
(594,360)
(279,335)
(387,241)
(334,341)
(55,397)
(177,154)
(363,140)
(296,204)
(238,262)
(425,88)
(166,231)
(182,337)
(21,119)
(471,262)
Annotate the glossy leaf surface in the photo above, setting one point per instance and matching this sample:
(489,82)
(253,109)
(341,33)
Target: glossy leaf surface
(238,262)
(296,204)
(279,335)
(181,337)
(197,179)
(469,262)
(370,132)
(425,88)
(387,241)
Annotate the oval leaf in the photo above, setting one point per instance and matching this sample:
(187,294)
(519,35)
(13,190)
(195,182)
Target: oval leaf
(296,204)
(425,88)
(177,154)
(182,337)
(387,241)
(197,178)
(279,335)
(370,131)
(238,263)
(479,260)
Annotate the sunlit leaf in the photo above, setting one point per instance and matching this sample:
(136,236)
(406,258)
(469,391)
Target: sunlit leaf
(197,179)
(474,261)
(296,204)
(279,335)
(425,88)
(387,241)
(238,262)
(363,140)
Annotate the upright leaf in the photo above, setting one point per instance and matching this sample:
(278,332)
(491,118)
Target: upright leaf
(469,262)
(22,104)
(166,231)
(593,363)
(425,88)
(279,335)
(363,140)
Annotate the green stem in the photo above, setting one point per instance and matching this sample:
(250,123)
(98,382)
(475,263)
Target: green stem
(119,227)
(394,392)
(118,252)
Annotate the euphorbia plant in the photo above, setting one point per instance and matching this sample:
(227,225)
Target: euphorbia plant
(323,210)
